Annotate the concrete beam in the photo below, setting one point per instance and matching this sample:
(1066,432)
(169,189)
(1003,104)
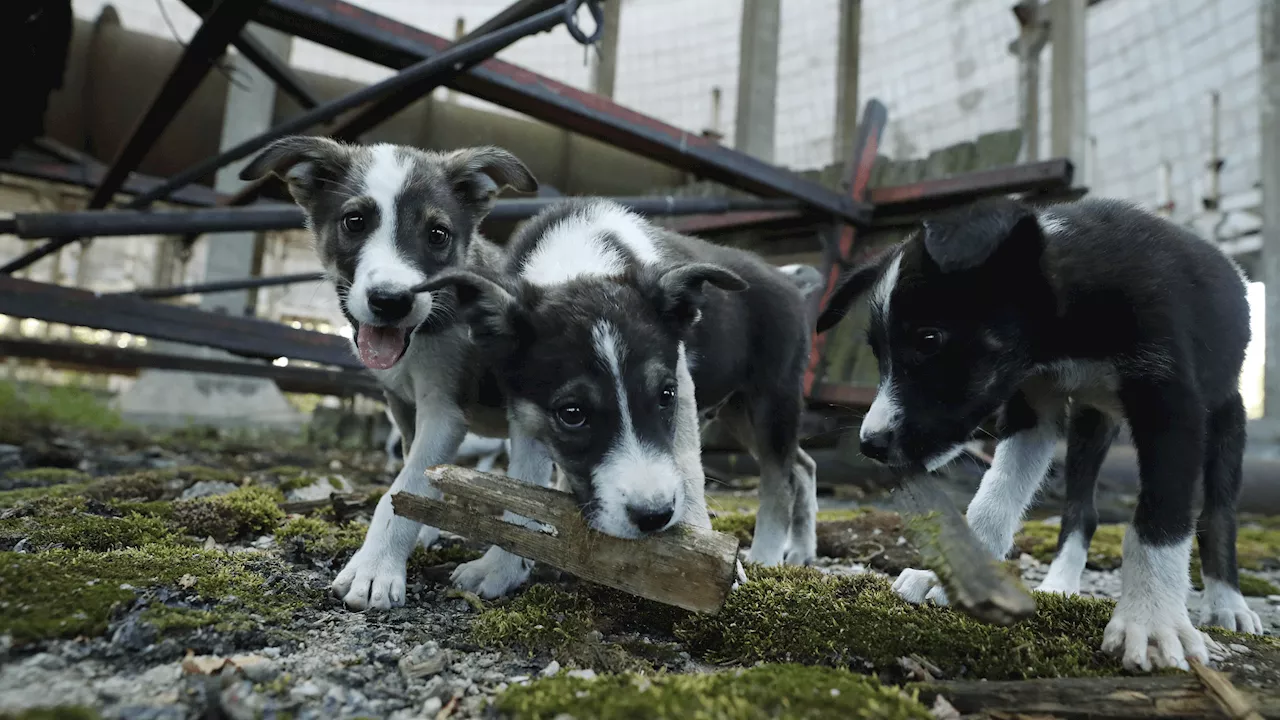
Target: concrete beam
(248,113)
(1269,104)
(1070,131)
(604,60)
(758,78)
(848,54)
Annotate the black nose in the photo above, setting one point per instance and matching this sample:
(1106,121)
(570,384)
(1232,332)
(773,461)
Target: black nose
(650,519)
(876,445)
(390,305)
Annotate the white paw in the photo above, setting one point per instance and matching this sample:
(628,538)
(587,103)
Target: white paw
(798,556)
(1231,611)
(370,580)
(765,554)
(1144,636)
(494,575)
(917,586)
(427,536)
(1059,585)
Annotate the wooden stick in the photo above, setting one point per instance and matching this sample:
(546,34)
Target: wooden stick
(975,582)
(1224,693)
(687,567)
(1161,696)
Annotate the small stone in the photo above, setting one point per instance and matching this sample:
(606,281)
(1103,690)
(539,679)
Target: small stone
(552,668)
(587,674)
(207,488)
(1248,668)
(432,706)
(306,691)
(595,636)
(424,661)
(240,702)
(1242,649)
(1273,599)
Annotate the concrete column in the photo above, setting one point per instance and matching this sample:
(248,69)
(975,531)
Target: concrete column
(171,398)
(848,52)
(248,113)
(1032,18)
(758,78)
(1070,132)
(604,66)
(1269,102)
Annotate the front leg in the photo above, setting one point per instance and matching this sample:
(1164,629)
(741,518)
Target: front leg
(499,572)
(375,575)
(1029,433)
(1150,622)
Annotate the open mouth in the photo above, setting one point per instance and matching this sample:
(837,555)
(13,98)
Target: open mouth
(380,348)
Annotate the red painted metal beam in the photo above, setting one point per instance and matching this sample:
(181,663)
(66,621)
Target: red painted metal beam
(857,176)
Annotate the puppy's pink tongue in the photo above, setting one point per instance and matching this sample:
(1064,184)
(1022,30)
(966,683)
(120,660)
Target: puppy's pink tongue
(380,347)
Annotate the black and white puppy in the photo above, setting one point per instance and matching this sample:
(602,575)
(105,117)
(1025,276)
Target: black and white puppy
(1001,307)
(387,218)
(608,334)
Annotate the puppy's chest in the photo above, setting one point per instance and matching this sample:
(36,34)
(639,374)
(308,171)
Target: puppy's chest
(1088,383)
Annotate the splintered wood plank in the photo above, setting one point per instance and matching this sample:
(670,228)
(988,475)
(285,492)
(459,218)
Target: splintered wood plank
(688,567)
(976,583)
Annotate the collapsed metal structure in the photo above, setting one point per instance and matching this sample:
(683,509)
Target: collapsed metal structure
(785,201)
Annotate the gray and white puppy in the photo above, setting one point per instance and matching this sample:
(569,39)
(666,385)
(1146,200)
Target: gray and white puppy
(609,334)
(385,219)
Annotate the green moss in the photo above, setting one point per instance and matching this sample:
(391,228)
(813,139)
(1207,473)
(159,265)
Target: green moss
(421,559)
(67,593)
(61,712)
(82,531)
(742,523)
(800,615)
(44,477)
(291,478)
(29,413)
(764,693)
(314,538)
(244,511)
(541,619)
(1254,586)
(1257,548)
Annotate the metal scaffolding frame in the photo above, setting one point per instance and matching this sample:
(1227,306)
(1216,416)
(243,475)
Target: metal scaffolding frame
(784,200)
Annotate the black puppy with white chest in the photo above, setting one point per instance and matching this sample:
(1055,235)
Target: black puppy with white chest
(1101,308)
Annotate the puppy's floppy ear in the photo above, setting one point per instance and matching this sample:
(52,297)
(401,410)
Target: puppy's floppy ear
(679,293)
(493,312)
(302,161)
(851,286)
(478,174)
(981,234)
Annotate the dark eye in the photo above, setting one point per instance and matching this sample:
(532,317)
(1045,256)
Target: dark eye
(571,416)
(438,236)
(668,396)
(929,340)
(353,222)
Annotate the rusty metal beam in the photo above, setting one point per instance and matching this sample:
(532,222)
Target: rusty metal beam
(104,358)
(223,21)
(248,337)
(379,39)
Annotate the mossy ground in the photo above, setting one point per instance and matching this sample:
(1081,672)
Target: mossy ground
(69,593)
(29,413)
(765,692)
(246,511)
(1257,548)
